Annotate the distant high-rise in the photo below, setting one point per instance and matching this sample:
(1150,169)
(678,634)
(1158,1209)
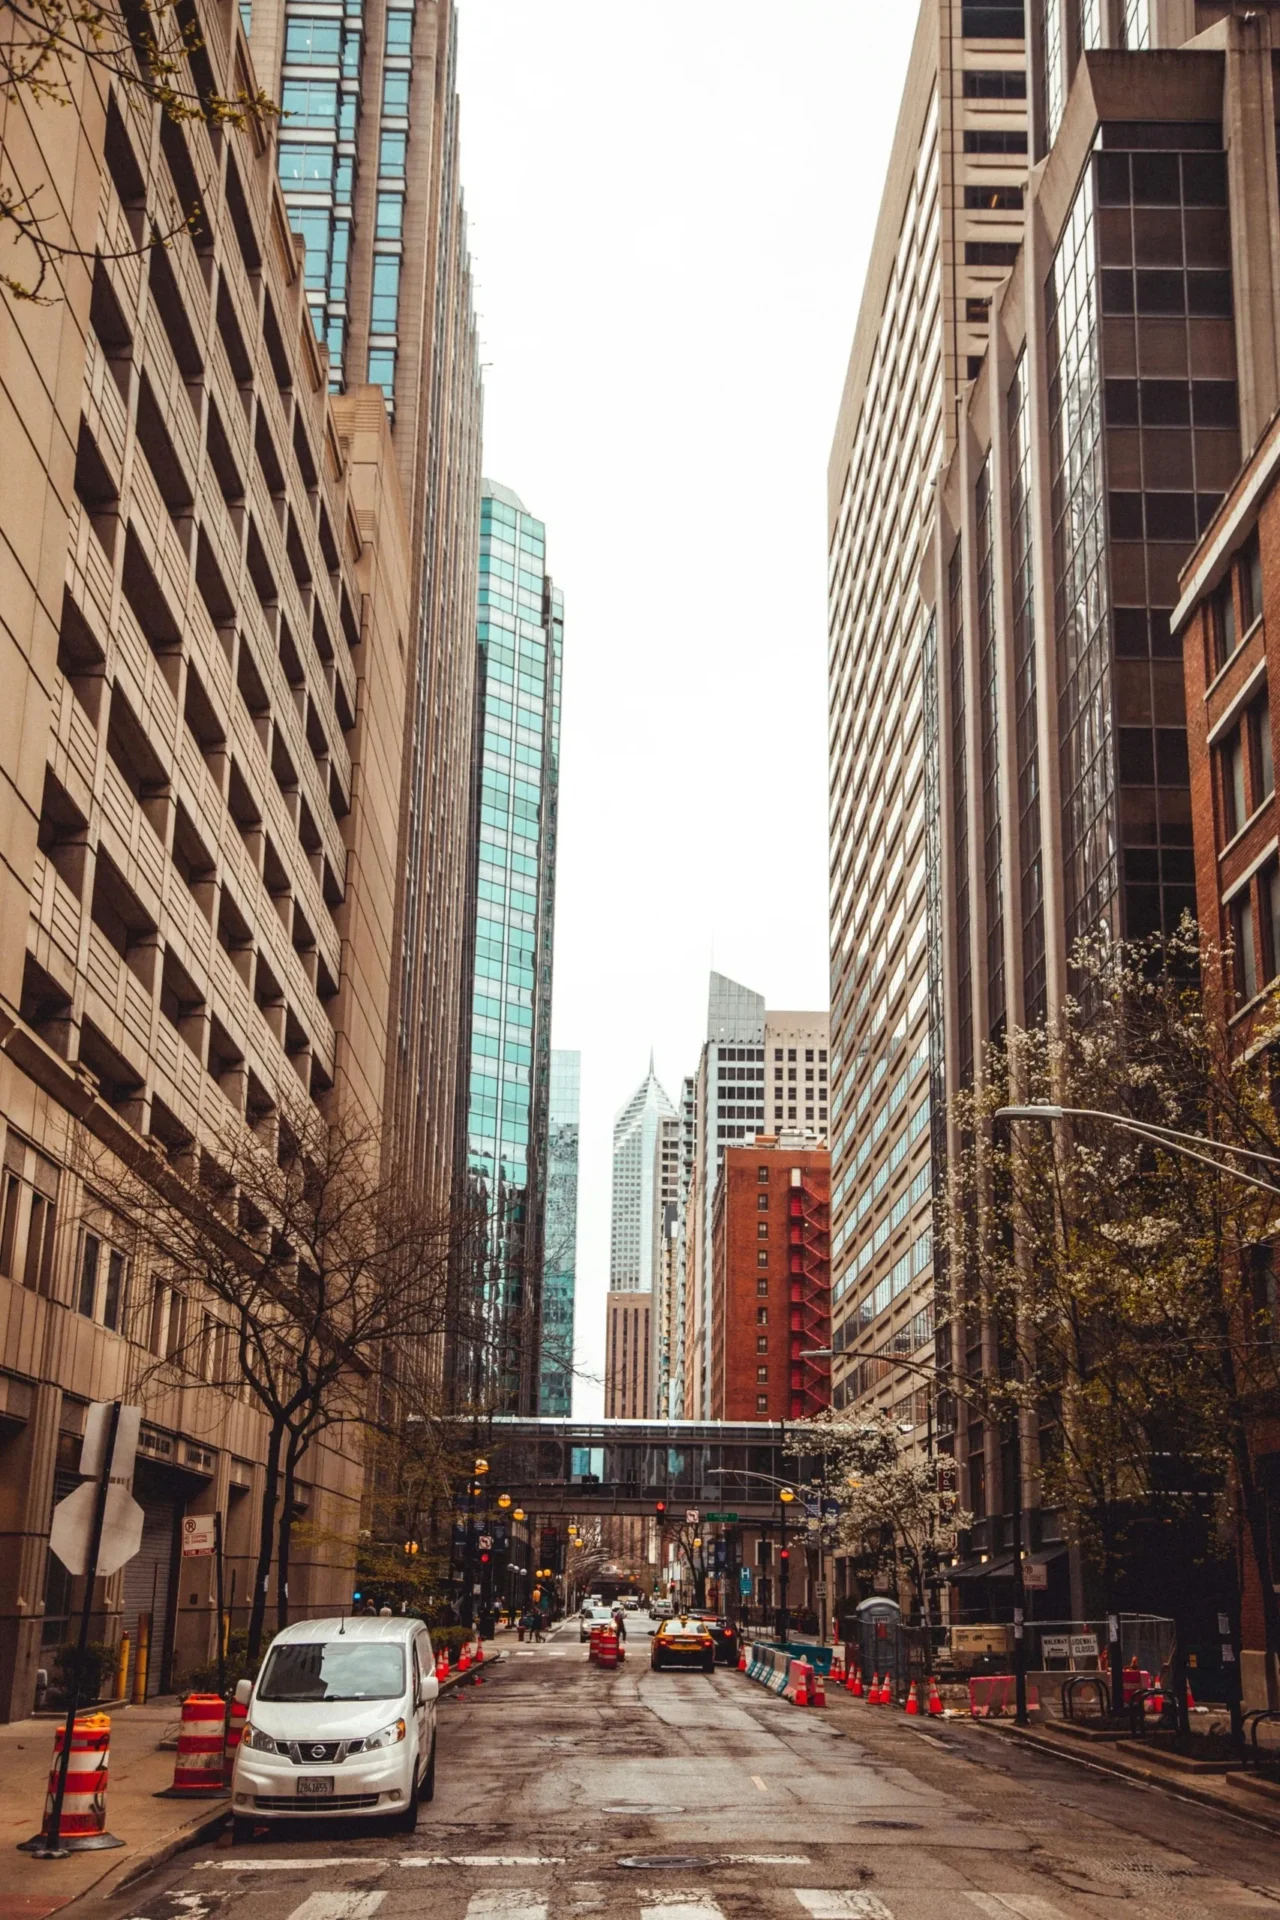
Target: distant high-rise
(735,1097)
(560,1240)
(496,1354)
(646,1182)
(368,164)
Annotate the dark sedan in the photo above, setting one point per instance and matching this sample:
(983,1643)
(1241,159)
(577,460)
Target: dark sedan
(683,1642)
(725,1635)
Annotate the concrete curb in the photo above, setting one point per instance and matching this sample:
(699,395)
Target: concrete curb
(1109,1762)
(205,1825)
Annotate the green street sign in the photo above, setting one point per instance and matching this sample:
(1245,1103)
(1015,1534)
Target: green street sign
(730,1517)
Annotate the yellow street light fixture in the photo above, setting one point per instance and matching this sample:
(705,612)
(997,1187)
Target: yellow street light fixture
(519,1514)
(504,1499)
(482,1466)
(697,1542)
(786,1495)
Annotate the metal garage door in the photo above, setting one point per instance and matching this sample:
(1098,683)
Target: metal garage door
(147,1582)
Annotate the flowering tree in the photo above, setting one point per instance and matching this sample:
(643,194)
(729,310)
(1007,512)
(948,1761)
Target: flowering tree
(893,1513)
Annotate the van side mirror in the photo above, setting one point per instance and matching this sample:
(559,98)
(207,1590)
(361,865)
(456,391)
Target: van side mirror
(244,1689)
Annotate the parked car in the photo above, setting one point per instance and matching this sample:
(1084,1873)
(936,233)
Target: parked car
(683,1642)
(594,1615)
(725,1635)
(342,1720)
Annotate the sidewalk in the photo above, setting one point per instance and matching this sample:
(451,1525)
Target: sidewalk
(151,1829)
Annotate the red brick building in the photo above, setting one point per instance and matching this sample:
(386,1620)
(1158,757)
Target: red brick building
(1228,617)
(771,1282)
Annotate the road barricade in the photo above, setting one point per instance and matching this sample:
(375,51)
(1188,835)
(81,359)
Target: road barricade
(605,1650)
(83,1826)
(993,1694)
(202,1741)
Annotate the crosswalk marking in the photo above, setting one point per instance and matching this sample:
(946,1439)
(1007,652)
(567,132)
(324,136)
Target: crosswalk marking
(480,1860)
(830,1903)
(506,1903)
(286,1866)
(339,1906)
(680,1905)
(1028,1906)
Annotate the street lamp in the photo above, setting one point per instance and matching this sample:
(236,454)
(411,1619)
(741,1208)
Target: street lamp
(785,1496)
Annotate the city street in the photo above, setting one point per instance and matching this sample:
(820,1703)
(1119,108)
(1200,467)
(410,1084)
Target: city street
(566,1790)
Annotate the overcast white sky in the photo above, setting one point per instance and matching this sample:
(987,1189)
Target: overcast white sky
(671,206)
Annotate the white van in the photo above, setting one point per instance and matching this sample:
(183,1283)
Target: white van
(342,1720)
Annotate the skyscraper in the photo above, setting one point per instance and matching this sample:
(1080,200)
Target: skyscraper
(368,162)
(949,227)
(1133,359)
(646,1178)
(560,1241)
(496,1355)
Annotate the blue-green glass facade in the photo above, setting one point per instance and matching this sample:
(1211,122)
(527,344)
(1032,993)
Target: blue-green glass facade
(520,637)
(560,1244)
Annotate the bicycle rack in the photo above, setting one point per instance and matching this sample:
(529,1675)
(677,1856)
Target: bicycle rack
(1077,1680)
(1250,1724)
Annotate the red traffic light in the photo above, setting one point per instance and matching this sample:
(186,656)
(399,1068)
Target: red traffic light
(659,1506)
(785,1554)
(484,1559)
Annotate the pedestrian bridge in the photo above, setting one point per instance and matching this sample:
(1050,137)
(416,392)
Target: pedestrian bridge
(626,1466)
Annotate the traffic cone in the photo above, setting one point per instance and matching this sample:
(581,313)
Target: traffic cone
(913,1705)
(448,1669)
(935,1700)
(464,1661)
(873,1691)
(853,1685)
(837,1668)
(442,1664)
(1154,1702)
(1191,1705)
(817,1688)
(742,1656)
(803,1683)
(478,1663)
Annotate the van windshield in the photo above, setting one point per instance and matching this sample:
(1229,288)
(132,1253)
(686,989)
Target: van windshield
(333,1670)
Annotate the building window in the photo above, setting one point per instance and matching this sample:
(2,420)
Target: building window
(1235,807)
(762,1316)
(762,1376)
(791,1054)
(103,1283)
(762,1286)
(1224,623)
(386,293)
(312,42)
(762,1229)
(390,216)
(995,83)
(995,140)
(762,1175)
(992,200)
(382,369)
(29,1219)
(1250,583)
(395,91)
(762,1343)
(391,155)
(1264,766)
(1270,899)
(992,20)
(309,103)
(1244,958)
(399,32)
(762,1202)
(762,1257)
(762,1403)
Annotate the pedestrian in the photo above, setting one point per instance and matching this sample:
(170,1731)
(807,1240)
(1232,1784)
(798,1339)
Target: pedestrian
(620,1624)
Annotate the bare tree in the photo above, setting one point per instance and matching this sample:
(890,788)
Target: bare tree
(328,1280)
(1129,1286)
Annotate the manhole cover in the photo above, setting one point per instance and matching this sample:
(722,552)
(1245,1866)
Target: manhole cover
(893,1826)
(678,1862)
(644,1806)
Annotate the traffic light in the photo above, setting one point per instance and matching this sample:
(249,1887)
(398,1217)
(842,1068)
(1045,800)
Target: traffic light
(484,1559)
(659,1507)
(356,1597)
(785,1554)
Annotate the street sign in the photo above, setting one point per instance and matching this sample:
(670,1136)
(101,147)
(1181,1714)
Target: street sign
(486,1541)
(691,1516)
(1055,1646)
(199,1536)
(1035,1578)
(732,1518)
(97,1423)
(70,1534)
(820,1589)
(1084,1646)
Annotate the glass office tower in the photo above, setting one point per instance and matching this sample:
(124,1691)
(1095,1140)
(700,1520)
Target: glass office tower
(560,1247)
(498,1364)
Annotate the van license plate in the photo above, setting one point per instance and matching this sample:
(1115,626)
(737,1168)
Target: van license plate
(319,1784)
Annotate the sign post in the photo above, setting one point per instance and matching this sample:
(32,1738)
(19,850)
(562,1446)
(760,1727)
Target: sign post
(202,1536)
(100,1456)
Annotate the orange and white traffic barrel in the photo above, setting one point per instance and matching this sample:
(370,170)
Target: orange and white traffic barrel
(83,1826)
(197,1771)
(236,1718)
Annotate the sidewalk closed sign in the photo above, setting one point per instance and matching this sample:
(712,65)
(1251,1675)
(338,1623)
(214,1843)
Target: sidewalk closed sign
(1084,1646)
(197,1536)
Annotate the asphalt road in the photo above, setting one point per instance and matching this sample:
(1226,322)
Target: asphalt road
(567,1791)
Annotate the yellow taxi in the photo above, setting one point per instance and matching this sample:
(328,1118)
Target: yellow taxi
(683,1642)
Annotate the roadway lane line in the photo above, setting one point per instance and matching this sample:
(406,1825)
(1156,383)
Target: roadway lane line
(766,1859)
(757,1781)
(285,1866)
(1028,1906)
(830,1903)
(506,1903)
(339,1906)
(479,1860)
